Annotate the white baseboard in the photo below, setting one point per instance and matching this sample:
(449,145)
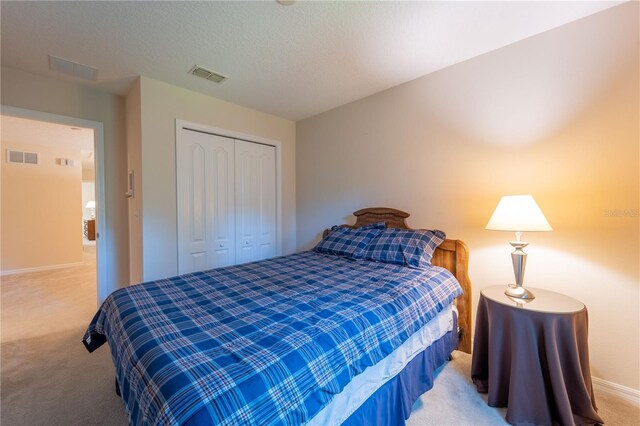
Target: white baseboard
(628,394)
(40,268)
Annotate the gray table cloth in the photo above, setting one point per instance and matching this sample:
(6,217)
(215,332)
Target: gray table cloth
(534,363)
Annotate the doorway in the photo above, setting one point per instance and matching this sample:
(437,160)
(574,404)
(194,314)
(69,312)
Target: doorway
(97,158)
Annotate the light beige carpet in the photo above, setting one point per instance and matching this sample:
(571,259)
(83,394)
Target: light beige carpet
(36,303)
(48,378)
(52,380)
(453,399)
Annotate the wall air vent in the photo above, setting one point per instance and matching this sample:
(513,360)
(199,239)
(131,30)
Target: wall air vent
(15,157)
(201,72)
(22,157)
(30,158)
(74,69)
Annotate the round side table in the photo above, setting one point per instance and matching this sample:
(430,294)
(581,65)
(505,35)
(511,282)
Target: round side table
(533,357)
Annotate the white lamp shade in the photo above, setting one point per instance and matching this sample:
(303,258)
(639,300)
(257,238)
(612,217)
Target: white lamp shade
(518,213)
(91,205)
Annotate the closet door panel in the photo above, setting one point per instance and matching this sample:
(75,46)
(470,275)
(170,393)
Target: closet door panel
(205,201)
(192,226)
(247,207)
(222,203)
(266,231)
(255,201)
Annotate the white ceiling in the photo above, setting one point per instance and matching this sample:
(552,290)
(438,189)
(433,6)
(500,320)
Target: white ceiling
(292,61)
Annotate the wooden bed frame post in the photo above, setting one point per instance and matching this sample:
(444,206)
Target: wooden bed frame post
(451,254)
(454,256)
(464,301)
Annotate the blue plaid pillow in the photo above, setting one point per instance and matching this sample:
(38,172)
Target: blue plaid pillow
(412,248)
(348,242)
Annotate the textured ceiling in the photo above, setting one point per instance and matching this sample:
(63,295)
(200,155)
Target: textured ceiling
(291,61)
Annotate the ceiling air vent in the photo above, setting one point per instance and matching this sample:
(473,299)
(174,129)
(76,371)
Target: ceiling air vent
(75,69)
(207,74)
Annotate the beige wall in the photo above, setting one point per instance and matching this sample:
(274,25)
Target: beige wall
(161,104)
(41,209)
(134,160)
(35,92)
(555,116)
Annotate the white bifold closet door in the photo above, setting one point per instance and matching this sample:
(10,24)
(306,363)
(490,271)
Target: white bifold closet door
(226,201)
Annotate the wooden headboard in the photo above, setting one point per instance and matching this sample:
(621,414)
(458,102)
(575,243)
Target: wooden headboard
(451,254)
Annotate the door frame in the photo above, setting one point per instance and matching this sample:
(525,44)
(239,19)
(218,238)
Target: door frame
(98,153)
(217,131)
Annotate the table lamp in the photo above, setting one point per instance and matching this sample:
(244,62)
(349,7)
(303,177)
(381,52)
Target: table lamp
(518,213)
(92,205)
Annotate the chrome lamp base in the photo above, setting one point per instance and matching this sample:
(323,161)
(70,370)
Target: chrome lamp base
(518,292)
(519,260)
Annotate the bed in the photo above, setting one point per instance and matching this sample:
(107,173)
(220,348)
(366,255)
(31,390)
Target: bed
(309,338)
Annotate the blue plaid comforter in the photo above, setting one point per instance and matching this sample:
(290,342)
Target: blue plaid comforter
(262,343)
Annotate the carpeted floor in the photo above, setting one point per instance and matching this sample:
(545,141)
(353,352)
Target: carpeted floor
(52,380)
(438,407)
(48,378)
(36,303)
